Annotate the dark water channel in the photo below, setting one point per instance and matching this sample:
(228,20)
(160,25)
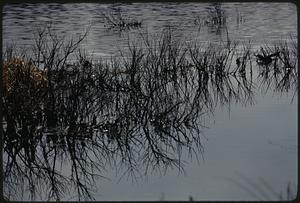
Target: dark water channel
(207,109)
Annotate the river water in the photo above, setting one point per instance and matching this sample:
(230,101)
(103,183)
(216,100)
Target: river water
(244,146)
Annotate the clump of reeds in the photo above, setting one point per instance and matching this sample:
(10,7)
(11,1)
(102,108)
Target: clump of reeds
(35,108)
(278,66)
(118,20)
(138,111)
(215,16)
(240,18)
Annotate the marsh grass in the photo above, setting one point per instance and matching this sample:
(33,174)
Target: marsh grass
(281,72)
(139,111)
(214,18)
(117,19)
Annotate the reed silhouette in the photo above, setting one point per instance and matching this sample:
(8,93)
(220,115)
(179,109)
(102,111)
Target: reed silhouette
(138,111)
(281,73)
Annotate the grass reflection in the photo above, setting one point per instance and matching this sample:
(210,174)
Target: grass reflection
(139,111)
(281,71)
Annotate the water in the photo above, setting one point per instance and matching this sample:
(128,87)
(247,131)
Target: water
(245,21)
(243,144)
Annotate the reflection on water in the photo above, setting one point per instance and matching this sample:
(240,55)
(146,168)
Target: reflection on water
(67,121)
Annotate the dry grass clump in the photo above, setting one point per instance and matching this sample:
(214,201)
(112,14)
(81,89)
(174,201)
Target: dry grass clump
(22,76)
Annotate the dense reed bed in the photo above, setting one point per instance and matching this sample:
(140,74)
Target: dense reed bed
(139,111)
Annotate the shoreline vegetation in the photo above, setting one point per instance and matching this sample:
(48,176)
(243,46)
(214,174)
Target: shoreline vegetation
(136,111)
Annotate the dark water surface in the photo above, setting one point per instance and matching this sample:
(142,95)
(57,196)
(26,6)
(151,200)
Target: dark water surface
(244,145)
